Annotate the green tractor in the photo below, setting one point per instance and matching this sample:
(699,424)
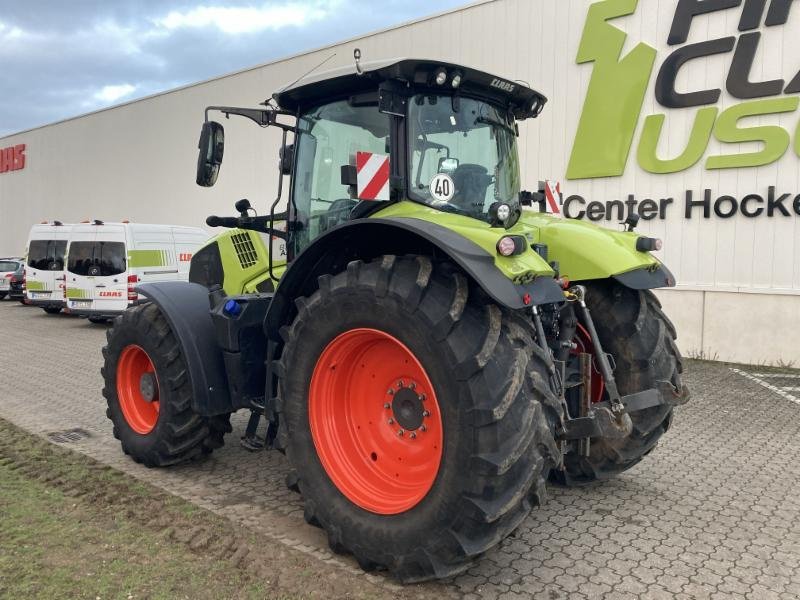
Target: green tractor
(416,334)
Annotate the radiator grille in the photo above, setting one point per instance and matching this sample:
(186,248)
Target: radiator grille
(245,250)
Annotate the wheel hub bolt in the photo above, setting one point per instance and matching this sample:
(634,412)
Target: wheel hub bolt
(391,421)
(423,428)
(422,397)
(412,385)
(400,383)
(425,413)
(387,405)
(400,433)
(413,435)
(390,391)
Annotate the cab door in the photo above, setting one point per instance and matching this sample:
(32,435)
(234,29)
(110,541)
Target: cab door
(80,268)
(46,267)
(110,270)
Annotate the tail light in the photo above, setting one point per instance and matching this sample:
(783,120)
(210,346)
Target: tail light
(132,281)
(24,279)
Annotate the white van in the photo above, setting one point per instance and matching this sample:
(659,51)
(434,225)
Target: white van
(106,261)
(45,260)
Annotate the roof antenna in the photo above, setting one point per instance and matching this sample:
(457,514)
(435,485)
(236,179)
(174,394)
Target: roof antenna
(357,57)
(303,76)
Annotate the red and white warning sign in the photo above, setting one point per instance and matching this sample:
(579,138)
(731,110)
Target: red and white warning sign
(553,198)
(372,176)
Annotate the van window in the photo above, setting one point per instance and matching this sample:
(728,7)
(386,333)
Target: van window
(47,255)
(96,258)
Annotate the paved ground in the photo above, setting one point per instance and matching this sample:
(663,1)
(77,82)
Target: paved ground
(712,513)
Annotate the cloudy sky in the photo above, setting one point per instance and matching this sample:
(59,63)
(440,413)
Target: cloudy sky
(61,58)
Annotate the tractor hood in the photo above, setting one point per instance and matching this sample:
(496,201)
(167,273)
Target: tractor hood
(586,251)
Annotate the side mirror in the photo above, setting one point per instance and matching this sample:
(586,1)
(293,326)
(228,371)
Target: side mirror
(211,148)
(287,158)
(448,165)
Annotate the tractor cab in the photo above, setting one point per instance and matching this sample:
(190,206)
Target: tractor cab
(433,133)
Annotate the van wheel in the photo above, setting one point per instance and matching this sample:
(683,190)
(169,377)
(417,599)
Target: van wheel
(149,393)
(99,320)
(3,295)
(52,310)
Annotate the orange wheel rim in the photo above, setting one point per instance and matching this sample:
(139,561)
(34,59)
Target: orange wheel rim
(137,389)
(375,421)
(583,342)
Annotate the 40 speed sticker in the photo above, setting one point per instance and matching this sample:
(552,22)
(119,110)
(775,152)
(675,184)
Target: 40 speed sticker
(442,187)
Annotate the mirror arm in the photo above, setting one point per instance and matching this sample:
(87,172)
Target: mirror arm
(261,117)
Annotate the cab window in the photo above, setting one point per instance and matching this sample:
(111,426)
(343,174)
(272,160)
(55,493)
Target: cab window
(329,138)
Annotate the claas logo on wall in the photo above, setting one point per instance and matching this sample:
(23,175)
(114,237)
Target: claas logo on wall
(618,85)
(12,158)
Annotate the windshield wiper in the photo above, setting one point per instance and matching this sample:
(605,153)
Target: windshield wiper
(496,123)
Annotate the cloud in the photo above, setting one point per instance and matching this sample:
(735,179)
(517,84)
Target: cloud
(111,93)
(10,33)
(66,58)
(234,20)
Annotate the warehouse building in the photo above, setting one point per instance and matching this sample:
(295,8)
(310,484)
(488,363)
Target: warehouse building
(685,111)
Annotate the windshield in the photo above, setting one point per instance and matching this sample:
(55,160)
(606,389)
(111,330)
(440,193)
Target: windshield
(47,255)
(463,157)
(96,259)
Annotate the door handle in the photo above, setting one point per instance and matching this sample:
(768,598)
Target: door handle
(100,285)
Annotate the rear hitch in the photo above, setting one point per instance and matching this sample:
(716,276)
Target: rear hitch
(599,423)
(577,294)
(594,420)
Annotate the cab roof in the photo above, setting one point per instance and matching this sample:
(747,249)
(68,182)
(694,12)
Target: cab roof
(416,75)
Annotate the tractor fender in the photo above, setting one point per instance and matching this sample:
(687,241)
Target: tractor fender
(647,278)
(185,306)
(370,238)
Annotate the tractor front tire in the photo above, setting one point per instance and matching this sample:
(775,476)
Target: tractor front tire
(632,328)
(416,415)
(148,392)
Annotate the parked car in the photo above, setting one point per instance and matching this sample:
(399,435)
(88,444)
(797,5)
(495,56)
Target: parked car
(12,274)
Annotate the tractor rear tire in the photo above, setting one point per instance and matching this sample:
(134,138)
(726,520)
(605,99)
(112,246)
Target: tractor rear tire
(634,329)
(157,428)
(378,332)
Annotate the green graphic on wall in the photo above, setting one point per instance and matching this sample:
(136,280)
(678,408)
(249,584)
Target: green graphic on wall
(615,96)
